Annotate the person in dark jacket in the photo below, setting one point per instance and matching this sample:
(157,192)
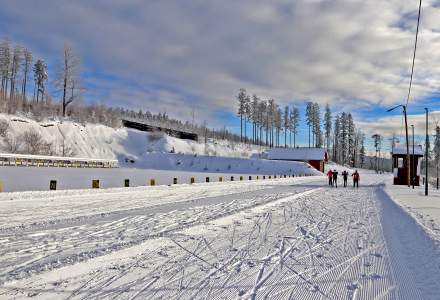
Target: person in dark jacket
(356,179)
(330,177)
(345,177)
(335,178)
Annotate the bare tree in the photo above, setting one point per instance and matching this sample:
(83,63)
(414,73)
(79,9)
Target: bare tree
(33,141)
(5,63)
(27,64)
(13,144)
(17,58)
(67,78)
(4,126)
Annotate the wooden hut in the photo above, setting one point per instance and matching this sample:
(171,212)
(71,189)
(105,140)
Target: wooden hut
(399,156)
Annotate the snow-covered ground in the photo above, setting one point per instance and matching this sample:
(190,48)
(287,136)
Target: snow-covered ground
(291,238)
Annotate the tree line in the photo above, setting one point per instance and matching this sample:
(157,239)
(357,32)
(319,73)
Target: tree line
(269,122)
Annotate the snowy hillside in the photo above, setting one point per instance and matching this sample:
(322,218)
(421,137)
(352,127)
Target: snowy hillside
(99,141)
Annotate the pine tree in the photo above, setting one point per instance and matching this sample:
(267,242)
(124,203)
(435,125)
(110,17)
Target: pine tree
(316,125)
(337,138)
(286,124)
(327,126)
(294,123)
(241,109)
(362,151)
(343,138)
(247,113)
(255,114)
(309,117)
(40,77)
(377,145)
(351,140)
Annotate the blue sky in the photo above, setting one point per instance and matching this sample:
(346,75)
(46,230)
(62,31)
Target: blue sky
(179,56)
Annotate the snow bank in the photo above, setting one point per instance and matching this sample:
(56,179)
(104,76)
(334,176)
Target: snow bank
(99,141)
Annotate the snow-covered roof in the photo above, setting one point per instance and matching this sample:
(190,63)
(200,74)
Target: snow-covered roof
(400,149)
(296,153)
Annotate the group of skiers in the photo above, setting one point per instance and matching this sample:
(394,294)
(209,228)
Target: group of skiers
(333,178)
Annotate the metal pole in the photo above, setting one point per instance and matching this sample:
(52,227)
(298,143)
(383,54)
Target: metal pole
(413,157)
(426,155)
(408,168)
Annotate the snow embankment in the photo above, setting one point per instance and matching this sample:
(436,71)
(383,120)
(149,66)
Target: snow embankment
(424,209)
(100,141)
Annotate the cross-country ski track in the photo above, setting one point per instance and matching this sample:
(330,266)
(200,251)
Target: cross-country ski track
(293,238)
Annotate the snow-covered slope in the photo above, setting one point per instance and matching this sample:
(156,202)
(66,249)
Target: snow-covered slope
(99,141)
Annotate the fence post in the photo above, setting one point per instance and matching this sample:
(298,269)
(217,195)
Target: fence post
(285,176)
(258,177)
(192,180)
(52,185)
(274,176)
(220,179)
(270,177)
(250,177)
(232,178)
(241,177)
(152,182)
(127,183)
(174,180)
(207,179)
(95,184)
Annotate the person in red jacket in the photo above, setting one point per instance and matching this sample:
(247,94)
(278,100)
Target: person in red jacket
(330,177)
(356,178)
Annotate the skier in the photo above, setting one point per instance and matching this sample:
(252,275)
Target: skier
(335,178)
(356,178)
(330,177)
(345,176)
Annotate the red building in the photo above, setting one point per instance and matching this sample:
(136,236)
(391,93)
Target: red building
(316,157)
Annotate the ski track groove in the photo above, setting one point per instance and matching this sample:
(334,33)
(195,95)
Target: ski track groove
(314,243)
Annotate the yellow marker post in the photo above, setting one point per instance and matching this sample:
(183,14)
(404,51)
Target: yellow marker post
(192,180)
(95,184)
(220,179)
(152,182)
(241,177)
(1,187)
(53,185)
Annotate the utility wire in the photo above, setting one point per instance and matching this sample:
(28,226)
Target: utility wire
(414,54)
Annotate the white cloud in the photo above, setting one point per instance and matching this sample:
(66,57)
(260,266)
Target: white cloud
(351,53)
